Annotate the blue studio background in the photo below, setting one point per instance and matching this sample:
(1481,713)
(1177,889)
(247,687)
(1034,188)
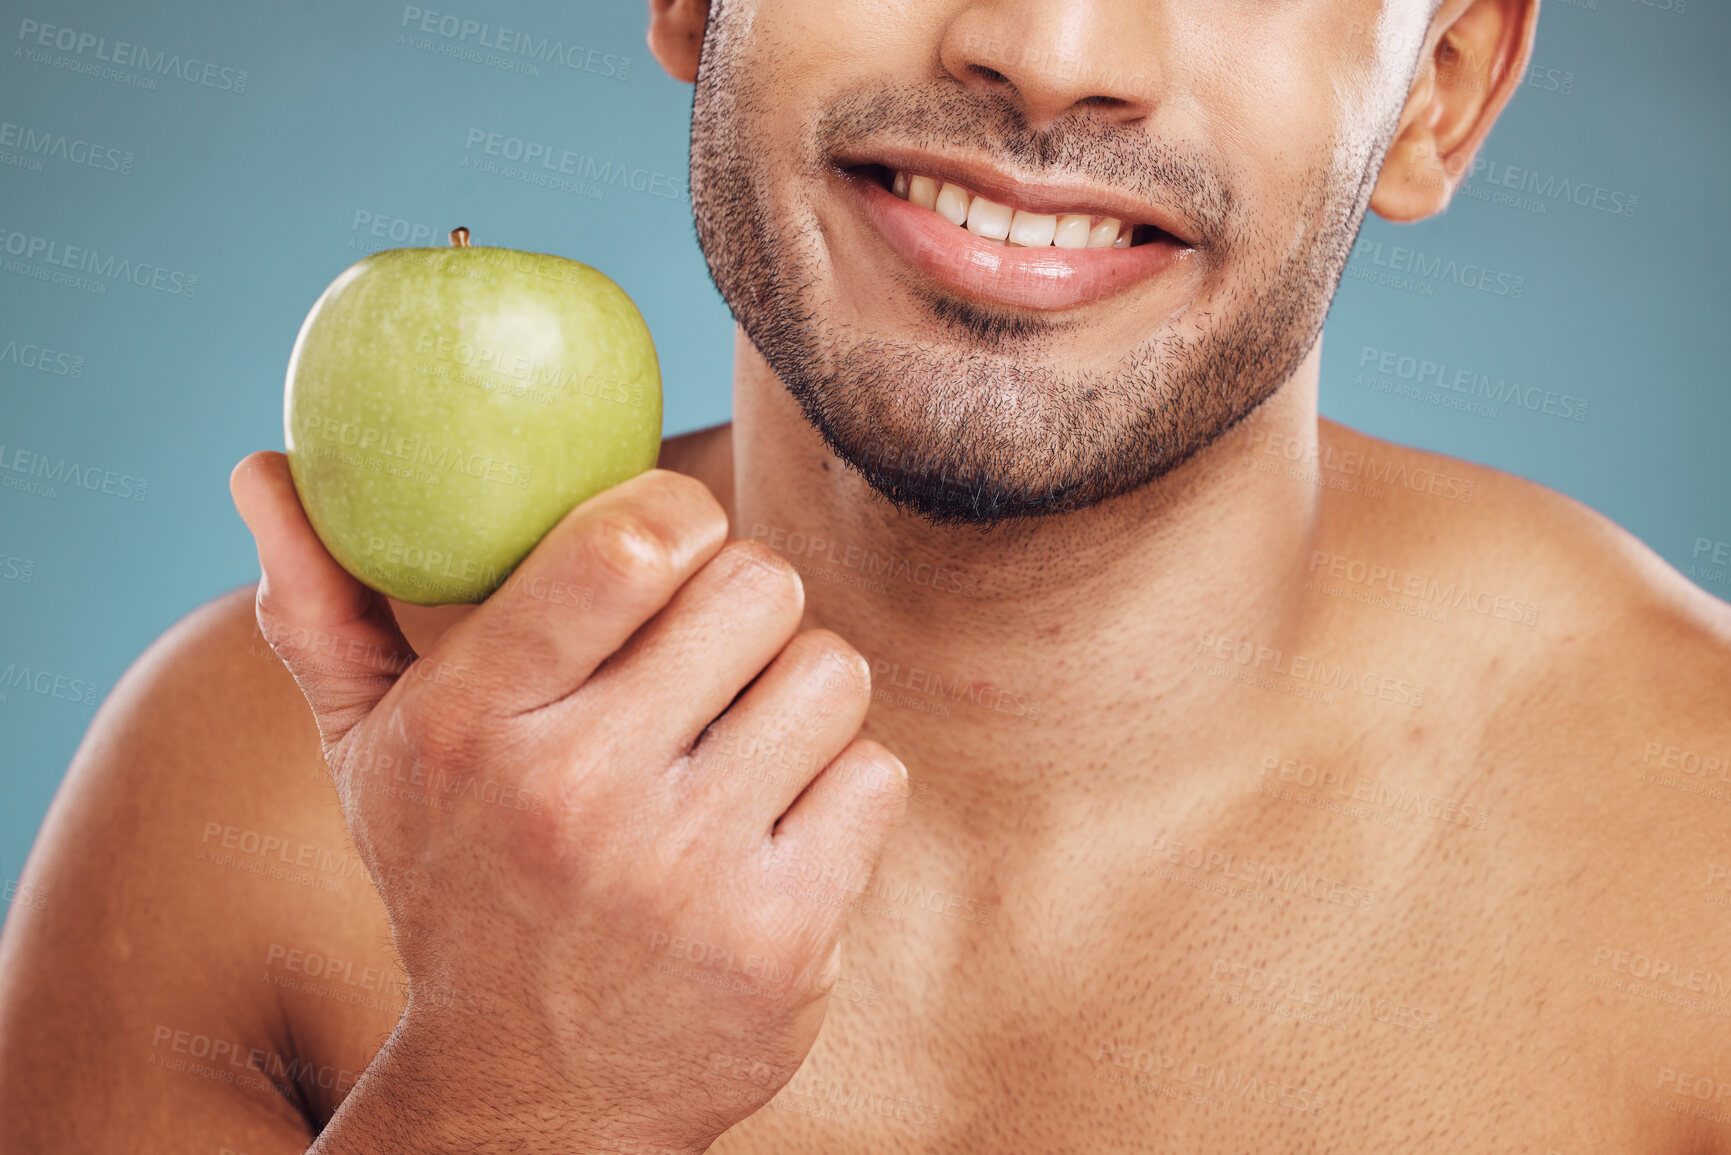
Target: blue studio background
(1563,321)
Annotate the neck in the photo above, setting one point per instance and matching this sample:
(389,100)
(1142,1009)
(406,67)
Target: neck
(1003,660)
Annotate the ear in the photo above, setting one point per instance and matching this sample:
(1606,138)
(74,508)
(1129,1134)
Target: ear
(676,35)
(1475,56)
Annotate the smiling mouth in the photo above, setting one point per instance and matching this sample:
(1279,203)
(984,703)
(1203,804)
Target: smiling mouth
(1005,224)
(1047,253)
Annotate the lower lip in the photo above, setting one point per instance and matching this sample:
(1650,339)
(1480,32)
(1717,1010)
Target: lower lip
(1042,278)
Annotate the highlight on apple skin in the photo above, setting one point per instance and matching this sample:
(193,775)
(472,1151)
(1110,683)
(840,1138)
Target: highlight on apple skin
(445,407)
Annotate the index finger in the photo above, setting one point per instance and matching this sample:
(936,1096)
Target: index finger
(606,568)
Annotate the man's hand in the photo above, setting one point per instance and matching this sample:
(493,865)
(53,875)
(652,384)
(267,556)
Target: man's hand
(558,792)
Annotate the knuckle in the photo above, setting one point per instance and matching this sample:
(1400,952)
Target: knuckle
(689,509)
(322,656)
(826,657)
(765,570)
(699,501)
(874,752)
(442,732)
(630,552)
(278,632)
(880,775)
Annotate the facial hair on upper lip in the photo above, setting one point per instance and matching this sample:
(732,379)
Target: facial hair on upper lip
(1127,160)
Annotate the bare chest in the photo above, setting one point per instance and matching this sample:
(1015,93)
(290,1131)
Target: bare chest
(1288,977)
(1201,998)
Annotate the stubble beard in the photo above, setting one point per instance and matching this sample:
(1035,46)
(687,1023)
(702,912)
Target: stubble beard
(968,422)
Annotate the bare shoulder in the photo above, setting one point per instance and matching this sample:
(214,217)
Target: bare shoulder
(1585,687)
(193,832)
(1578,694)
(205,962)
(1597,606)
(1566,629)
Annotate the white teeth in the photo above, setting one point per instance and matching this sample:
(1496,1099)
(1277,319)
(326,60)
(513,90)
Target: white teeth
(952,204)
(996,222)
(1033,230)
(989,219)
(1072,231)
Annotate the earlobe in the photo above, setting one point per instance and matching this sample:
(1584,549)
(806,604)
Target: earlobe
(1480,54)
(1414,182)
(676,35)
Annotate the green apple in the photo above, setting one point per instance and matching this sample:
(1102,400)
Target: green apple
(445,407)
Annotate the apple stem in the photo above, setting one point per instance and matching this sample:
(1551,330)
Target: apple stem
(460,237)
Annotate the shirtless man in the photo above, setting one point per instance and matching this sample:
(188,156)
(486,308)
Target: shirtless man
(1224,780)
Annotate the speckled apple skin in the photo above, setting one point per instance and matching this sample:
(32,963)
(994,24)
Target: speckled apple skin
(446,407)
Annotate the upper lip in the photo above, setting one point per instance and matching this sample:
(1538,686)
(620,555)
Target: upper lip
(996,183)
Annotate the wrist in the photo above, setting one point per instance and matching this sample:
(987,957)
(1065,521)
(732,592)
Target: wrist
(433,1090)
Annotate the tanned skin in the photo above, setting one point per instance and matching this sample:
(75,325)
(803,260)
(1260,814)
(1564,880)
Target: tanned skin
(1117,858)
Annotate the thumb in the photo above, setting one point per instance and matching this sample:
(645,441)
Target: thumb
(337,637)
